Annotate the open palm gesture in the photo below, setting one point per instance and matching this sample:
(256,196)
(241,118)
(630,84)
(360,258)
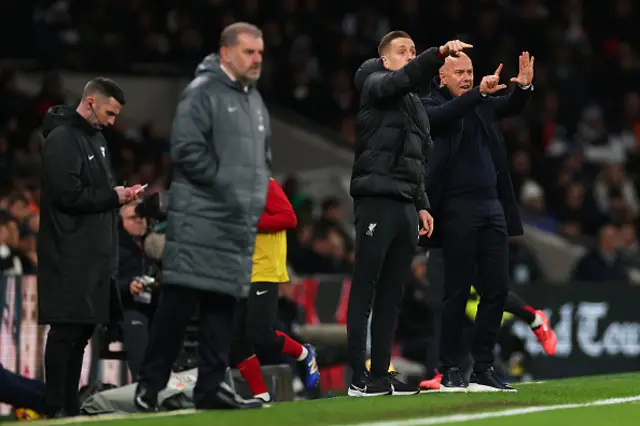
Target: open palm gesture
(525,70)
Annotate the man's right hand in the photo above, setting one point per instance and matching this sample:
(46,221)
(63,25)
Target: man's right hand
(454,47)
(489,84)
(124,194)
(135,287)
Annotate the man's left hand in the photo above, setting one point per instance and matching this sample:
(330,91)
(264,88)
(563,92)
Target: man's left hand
(426,223)
(525,70)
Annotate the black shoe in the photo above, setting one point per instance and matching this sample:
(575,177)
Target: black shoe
(227,399)
(145,400)
(452,381)
(488,381)
(370,386)
(57,414)
(399,388)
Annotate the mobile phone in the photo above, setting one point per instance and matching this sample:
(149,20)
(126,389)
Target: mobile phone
(142,187)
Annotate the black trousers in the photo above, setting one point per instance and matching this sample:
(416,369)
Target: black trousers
(63,356)
(435,274)
(175,308)
(474,237)
(254,322)
(135,332)
(386,238)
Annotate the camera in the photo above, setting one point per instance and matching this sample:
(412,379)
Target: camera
(152,207)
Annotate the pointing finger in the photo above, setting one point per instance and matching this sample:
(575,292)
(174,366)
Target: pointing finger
(498,70)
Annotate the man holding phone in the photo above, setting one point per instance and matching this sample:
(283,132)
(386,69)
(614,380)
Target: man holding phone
(78,238)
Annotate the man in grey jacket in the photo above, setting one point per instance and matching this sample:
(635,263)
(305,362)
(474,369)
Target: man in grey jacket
(221,160)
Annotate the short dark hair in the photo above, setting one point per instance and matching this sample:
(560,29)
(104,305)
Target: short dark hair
(17,197)
(229,35)
(104,86)
(321,231)
(389,37)
(6,218)
(330,203)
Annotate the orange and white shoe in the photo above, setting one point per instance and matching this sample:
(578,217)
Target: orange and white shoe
(431,384)
(545,334)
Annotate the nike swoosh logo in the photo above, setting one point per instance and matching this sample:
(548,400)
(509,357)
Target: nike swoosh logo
(260,293)
(91,157)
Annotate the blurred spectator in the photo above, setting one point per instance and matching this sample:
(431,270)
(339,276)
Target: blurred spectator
(533,209)
(10,263)
(605,263)
(332,216)
(612,183)
(629,243)
(324,254)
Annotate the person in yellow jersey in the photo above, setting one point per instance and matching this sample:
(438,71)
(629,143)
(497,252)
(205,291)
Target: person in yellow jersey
(255,315)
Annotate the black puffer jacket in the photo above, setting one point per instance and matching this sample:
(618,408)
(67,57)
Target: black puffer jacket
(392,141)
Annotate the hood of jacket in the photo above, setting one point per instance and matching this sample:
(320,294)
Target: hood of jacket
(211,65)
(367,68)
(64,114)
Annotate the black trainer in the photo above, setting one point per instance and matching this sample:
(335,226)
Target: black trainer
(369,386)
(452,381)
(227,398)
(488,381)
(146,400)
(399,388)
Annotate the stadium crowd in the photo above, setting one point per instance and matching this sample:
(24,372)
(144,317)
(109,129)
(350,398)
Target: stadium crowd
(574,152)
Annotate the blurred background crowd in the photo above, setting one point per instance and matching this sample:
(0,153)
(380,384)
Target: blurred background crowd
(574,152)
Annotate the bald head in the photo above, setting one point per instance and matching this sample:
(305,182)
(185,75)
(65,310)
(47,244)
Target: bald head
(457,74)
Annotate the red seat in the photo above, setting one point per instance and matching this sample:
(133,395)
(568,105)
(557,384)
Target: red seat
(331,378)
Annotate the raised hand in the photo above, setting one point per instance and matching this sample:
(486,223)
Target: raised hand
(525,70)
(454,47)
(490,83)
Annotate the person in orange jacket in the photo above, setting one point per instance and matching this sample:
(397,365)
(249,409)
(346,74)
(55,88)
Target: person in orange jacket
(255,315)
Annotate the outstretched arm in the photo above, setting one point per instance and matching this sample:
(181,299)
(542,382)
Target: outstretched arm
(423,68)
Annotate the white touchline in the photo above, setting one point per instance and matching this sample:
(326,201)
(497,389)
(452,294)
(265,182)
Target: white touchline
(459,418)
(113,417)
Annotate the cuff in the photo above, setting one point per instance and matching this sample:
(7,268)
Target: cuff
(114,201)
(527,87)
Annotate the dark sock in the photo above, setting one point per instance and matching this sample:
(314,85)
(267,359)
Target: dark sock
(518,307)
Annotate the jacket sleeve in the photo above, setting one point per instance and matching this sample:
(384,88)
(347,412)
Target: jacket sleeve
(123,284)
(421,199)
(192,150)
(513,103)
(62,170)
(384,84)
(278,214)
(442,115)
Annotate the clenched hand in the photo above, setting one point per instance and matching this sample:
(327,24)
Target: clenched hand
(426,223)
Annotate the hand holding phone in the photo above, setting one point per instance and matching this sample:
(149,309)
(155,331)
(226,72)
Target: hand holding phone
(141,188)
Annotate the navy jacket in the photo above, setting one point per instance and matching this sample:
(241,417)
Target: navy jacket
(445,115)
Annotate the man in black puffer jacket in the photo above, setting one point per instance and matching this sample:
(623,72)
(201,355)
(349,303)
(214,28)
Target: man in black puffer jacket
(387,186)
